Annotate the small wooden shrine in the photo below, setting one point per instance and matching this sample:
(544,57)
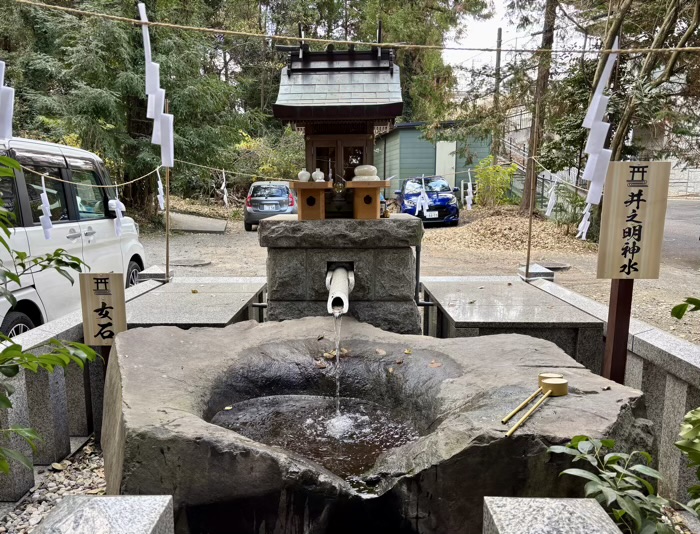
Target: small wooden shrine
(339,99)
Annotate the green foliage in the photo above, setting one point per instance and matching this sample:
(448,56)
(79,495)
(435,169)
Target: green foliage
(569,208)
(679,311)
(622,483)
(12,357)
(493,182)
(689,444)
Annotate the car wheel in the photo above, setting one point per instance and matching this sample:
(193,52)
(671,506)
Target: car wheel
(248,227)
(454,223)
(16,323)
(132,274)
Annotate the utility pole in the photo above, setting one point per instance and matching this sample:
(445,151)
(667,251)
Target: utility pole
(496,135)
(543,70)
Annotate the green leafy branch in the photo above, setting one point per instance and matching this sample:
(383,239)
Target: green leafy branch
(12,359)
(679,311)
(622,485)
(689,444)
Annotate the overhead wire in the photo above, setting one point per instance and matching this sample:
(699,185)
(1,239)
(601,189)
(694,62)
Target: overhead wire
(398,46)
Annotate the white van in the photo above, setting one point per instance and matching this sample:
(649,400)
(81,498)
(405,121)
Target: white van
(83,226)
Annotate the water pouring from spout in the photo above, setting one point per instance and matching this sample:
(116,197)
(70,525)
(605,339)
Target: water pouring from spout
(339,282)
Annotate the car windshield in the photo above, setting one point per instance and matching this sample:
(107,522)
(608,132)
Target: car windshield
(432,185)
(269,191)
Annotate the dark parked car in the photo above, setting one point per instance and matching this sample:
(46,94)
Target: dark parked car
(442,202)
(266,199)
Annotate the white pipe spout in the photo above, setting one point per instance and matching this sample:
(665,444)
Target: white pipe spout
(339,282)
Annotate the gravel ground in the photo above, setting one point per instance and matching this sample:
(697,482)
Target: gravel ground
(480,245)
(80,474)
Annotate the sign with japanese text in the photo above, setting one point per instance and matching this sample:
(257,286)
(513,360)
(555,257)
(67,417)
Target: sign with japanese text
(104,307)
(632,225)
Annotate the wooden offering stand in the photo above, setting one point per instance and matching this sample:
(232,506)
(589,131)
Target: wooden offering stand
(366,204)
(312,199)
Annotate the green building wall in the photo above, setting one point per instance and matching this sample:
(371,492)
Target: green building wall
(403,153)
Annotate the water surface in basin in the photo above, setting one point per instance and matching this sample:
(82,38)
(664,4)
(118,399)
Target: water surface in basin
(347,444)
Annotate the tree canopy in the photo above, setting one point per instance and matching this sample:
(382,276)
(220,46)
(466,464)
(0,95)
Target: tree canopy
(80,80)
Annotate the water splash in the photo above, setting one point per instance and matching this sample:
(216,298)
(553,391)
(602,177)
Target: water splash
(338,318)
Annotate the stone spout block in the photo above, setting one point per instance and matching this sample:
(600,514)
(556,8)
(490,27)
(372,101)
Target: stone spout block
(339,282)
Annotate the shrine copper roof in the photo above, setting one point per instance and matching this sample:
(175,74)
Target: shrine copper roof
(339,85)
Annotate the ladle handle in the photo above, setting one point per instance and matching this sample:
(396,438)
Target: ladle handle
(522,405)
(529,413)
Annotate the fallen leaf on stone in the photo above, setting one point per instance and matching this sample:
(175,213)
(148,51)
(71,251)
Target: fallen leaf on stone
(481,287)
(195,291)
(95,491)
(57,467)
(399,361)
(408,351)
(434,364)
(319,338)
(471,302)
(391,369)
(329,355)
(320,364)
(344,352)
(606,388)
(510,283)
(228,407)
(380,352)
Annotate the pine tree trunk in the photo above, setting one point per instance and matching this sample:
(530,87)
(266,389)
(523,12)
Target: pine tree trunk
(543,70)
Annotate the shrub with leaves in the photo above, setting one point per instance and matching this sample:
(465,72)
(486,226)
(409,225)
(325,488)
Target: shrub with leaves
(493,182)
(679,311)
(623,484)
(12,357)
(689,444)
(569,208)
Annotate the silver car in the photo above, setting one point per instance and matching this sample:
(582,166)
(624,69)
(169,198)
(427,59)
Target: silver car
(266,199)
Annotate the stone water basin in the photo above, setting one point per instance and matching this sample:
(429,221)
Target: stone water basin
(166,385)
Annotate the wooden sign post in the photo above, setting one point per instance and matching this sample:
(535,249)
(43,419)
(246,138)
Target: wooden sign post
(104,307)
(631,236)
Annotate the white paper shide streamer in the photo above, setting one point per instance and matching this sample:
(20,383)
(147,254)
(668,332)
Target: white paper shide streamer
(598,157)
(119,209)
(45,219)
(161,194)
(552,193)
(7,102)
(422,202)
(163,134)
(470,192)
(223,188)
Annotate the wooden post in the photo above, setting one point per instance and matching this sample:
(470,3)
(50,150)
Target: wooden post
(167,214)
(619,314)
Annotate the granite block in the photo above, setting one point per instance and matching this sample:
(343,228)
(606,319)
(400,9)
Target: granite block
(400,317)
(48,414)
(96,373)
(318,260)
(507,515)
(634,370)
(78,514)
(78,398)
(535,272)
(285,231)
(394,274)
(675,355)
(654,388)
(20,479)
(669,457)
(287,272)
(590,348)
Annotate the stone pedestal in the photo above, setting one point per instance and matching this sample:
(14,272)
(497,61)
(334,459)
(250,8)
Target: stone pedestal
(504,515)
(79,514)
(20,479)
(300,253)
(48,415)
